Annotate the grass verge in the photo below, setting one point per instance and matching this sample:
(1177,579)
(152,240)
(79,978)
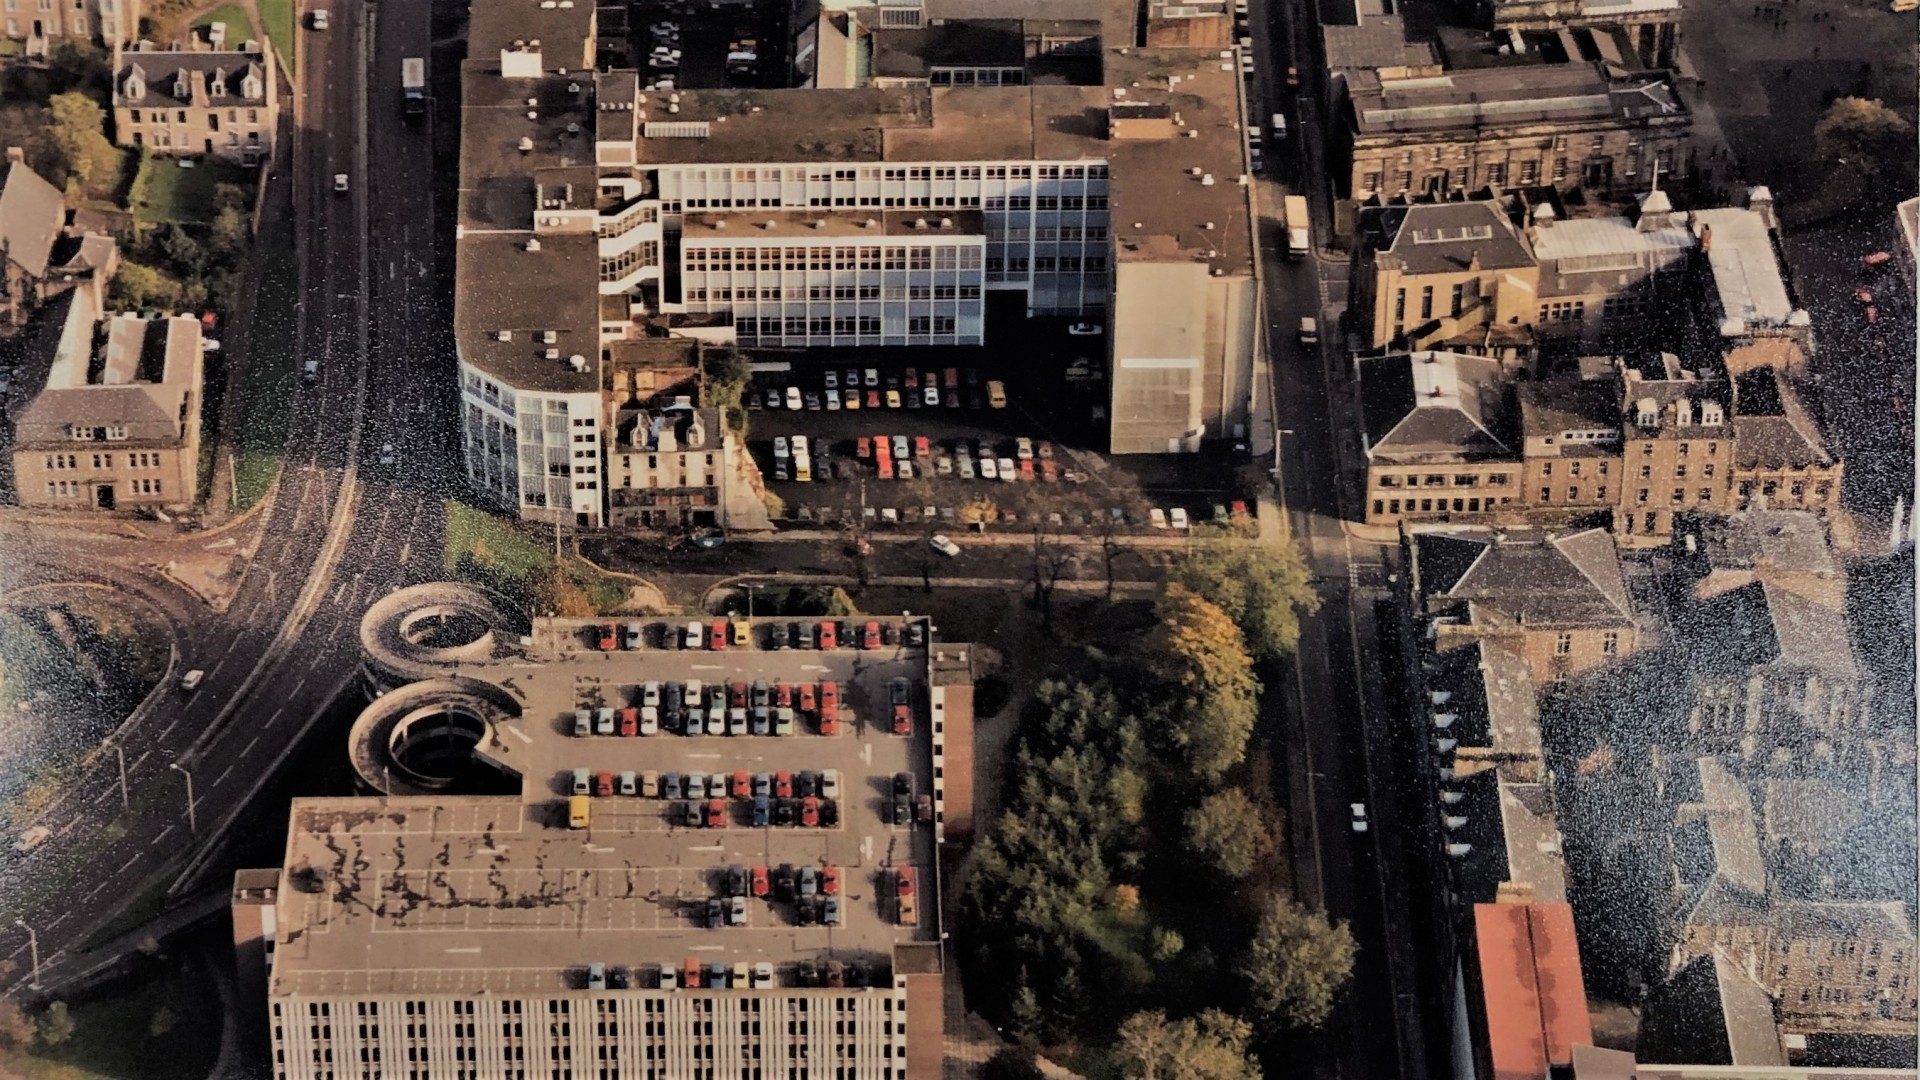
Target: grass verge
(162,1023)
(164,193)
(278,15)
(513,559)
(266,402)
(239,23)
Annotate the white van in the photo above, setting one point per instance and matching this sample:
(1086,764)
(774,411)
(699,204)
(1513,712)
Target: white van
(191,680)
(1279,126)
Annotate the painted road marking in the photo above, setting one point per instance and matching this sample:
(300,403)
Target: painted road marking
(164,832)
(222,776)
(245,750)
(125,865)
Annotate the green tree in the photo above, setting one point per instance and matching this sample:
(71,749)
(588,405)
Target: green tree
(162,1021)
(1866,148)
(229,233)
(726,373)
(56,1025)
(75,145)
(183,250)
(1165,943)
(1263,588)
(16,1027)
(1013,1063)
(1202,655)
(140,286)
(1297,963)
(1226,830)
(73,65)
(1211,1046)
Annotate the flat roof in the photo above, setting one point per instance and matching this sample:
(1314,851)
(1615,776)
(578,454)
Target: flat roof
(470,894)
(1746,275)
(500,286)
(750,126)
(1476,97)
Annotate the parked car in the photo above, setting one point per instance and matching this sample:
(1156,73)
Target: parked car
(944,546)
(1086,329)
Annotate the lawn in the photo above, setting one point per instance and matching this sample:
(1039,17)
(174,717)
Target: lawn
(164,192)
(160,1025)
(486,549)
(271,380)
(239,24)
(278,15)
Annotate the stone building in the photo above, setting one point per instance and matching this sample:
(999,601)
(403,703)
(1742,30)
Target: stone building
(1570,443)
(38,25)
(195,101)
(1577,125)
(40,255)
(670,467)
(1780,459)
(117,425)
(1677,441)
(1451,276)
(1438,436)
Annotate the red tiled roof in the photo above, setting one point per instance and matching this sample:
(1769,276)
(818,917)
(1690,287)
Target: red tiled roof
(1536,1001)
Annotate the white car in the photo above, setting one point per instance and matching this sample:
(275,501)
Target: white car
(903,470)
(649,720)
(1178,515)
(209,345)
(943,545)
(965,468)
(900,450)
(832,379)
(830,784)
(319,18)
(1086,329)
(340,183)
(943,465)
(930,394)
(833,401)
(763,976)
(386,453)
(793,398)
(872,377)
(1359,811)
(1007,470)
(800,445)
(988,471)
(1157,518)
(1023,448)
(779,447)
(650,694)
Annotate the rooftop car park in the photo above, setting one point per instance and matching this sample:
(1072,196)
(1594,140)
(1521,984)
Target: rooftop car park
(768,851)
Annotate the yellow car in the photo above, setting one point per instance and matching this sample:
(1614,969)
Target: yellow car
(742,634)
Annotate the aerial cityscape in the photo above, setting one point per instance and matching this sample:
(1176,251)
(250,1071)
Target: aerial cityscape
(962,539)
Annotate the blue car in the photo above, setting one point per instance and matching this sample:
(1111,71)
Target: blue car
(762,810)
(673,789)
(762,784)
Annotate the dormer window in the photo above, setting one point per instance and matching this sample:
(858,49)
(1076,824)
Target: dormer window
(181,88)
(135,88)
(250,88)
(1646,413)
(115,433)
(1710,413)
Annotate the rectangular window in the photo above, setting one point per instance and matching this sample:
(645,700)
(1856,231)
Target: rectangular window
(1563,645)
(1426,302)
(1610,643)
(1459,299)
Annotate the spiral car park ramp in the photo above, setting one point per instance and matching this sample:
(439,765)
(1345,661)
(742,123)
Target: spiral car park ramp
(428,631)
(440,736)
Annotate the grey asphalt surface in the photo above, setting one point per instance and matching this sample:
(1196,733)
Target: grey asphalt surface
(101,857)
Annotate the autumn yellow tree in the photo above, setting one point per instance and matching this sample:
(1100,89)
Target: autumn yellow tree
(1198,651)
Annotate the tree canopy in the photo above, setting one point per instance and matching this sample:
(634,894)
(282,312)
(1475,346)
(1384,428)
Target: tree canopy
(1865,146)
(1297,963)
(1202,657)
(74,144)
(1227,832)
(1211,1046)
(1263,587)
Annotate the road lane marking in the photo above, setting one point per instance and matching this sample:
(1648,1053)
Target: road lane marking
(222,776)
(245,750)
(518,734)
(163,832)
(64,914)
(276,715)
(125,865)
(467,949)
(175,722)
(95,891)
(70,825)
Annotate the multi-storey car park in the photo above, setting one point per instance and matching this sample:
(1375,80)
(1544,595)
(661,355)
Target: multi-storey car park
(849,216)
(518,899)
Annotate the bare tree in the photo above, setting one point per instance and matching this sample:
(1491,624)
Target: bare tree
(1051,559)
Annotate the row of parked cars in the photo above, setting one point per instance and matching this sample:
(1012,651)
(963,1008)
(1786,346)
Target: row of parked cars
(695,974)
(856,388)
(812,812)
(715,635)
(693,708)
(900,457)
(653,784)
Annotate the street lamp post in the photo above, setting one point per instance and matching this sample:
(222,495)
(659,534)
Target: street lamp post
(33,946)
(193,825)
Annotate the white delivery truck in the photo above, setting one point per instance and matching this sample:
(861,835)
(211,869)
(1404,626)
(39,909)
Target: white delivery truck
(413,85)
(1296,215)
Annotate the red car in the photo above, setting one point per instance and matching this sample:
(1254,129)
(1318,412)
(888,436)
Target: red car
(826,636)
(830,877)
(1293,76)
(952,377)
(905,879)
(783,785)
(870,636)
(608,641)
(902,720)
(629,721)
(1049,472)
(717,635)
(886,468)
(829,697)
(873,399)
(736,695)
(742,786)
(760,884)
(603,784)
(810,812)
(716,813)
(806,698)
(913,378)
(690,974)
(783,696)
(921,448)
(863,447)
(1026,468)
(830,723)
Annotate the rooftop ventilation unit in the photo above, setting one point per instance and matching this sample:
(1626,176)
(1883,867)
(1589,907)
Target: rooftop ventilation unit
(1459,851)
(505,335)
(577,362)
(1445,746)
(1444,720)
(1451,798)
(1453,822)
(549,336)
(526,144)
(553,354)
(533,243)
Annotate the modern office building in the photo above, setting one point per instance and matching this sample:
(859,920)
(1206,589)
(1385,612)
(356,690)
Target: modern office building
(518,902)
(895,212)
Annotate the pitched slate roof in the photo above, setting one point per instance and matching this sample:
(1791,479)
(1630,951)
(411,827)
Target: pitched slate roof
(215,79)
(32,213)
(1547,581)
(1761,623)
(1434,238)
(1434,406)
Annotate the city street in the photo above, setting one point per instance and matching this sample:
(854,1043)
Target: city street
(289,638)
